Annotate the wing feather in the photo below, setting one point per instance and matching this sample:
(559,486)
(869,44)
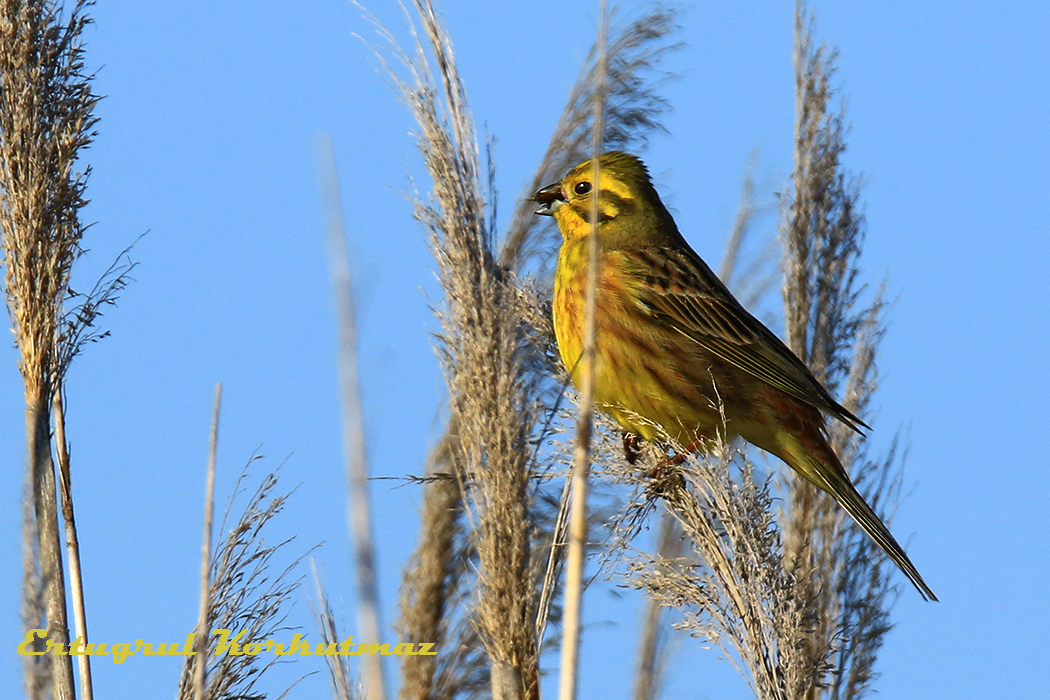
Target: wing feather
(679,289)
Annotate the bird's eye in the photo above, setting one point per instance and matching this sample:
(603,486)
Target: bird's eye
(582,187)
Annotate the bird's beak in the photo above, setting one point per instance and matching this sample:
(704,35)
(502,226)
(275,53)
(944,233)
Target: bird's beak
(549,199)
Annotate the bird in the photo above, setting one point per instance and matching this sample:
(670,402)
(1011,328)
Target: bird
(676,355)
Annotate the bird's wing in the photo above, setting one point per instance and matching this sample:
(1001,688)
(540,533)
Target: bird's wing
(678,289)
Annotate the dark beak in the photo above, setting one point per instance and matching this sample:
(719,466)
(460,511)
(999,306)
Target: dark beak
(549,199)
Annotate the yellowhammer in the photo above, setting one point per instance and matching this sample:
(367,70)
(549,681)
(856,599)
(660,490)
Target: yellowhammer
(672,344)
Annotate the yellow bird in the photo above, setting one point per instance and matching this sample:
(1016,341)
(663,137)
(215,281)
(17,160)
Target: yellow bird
(672,344)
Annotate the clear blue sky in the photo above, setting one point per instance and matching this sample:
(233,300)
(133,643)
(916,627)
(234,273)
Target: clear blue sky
(206,141)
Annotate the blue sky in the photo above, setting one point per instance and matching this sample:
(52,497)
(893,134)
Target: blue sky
(207,140)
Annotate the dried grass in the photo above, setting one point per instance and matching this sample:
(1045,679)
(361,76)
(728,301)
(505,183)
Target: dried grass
(245,594)
(654,642)
(576,553)
(750,275)
(339,671)
(436,585)
(733,589)
(491,401)
(46,120)
(839,570)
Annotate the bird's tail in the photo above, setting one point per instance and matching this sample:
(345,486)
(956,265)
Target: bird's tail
(828,475)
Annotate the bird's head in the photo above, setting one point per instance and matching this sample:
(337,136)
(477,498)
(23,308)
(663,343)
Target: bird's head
(625,194)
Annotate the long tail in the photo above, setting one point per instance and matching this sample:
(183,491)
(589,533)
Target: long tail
(833,479)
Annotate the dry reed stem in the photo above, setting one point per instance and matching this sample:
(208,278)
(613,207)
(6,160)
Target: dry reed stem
(76,580)
(552,569)
(838,568)
(36,669)
(633,115)
(78,329)
(45,496)
(203,635)
(633,106)
(576,557)
(814,307)
(481,350)
(354,447)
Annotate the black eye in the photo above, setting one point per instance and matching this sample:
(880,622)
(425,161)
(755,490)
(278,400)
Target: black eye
(582,187)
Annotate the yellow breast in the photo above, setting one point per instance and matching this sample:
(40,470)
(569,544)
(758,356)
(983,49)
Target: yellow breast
(637,378)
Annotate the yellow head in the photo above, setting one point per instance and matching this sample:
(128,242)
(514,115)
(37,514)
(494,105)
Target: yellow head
(627,200)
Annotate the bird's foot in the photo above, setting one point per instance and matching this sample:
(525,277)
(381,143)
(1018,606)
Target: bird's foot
(658,472)
(630,447)
(681,456)
(665,467)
